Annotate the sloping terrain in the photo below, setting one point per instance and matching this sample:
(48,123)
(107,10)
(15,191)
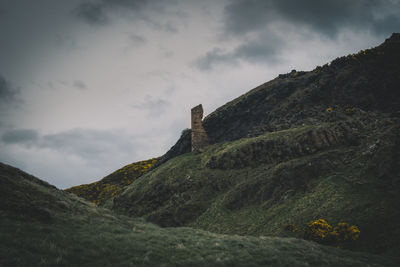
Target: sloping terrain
(103,191)
(367,81)
(306,145)
(342,171)
(43,226)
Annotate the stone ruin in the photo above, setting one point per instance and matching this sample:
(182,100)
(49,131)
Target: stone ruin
(199,135)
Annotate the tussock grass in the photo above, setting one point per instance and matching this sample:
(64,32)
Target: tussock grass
(81,234)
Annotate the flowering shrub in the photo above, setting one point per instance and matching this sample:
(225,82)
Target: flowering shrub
(112,185)
(345,232)
(320,231)
(317,231)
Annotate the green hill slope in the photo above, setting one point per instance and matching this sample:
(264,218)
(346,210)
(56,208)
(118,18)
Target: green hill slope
(43,226)
(102,192)
(336,171)
(366,81)
(306,145)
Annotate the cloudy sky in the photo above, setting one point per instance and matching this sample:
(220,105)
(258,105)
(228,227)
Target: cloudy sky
(89,86)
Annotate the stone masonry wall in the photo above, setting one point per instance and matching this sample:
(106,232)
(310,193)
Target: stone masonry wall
(199,135)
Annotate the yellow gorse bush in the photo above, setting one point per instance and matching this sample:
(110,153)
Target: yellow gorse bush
(101,191)
(320,231)
(317,230)
(344,232)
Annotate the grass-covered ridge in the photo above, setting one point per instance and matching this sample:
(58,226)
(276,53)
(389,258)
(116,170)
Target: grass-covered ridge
(323,144)
(345,171)
(366,81)
(311,155)
(60,229)
(111,186)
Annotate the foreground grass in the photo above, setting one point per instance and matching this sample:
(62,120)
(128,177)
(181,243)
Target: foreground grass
(43,226)
(94,242)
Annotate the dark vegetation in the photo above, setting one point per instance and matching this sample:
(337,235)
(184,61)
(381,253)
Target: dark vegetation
(286,158)
(103,191)
(338,180)
(320,231)
(304,146)
(43,226)
(367,81)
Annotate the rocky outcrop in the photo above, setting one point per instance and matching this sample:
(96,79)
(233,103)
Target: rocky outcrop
(199,135)
(286,145)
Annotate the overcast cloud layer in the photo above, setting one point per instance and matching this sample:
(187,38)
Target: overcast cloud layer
(89,86)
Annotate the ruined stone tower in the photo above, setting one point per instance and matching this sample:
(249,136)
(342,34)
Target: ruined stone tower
(199,135)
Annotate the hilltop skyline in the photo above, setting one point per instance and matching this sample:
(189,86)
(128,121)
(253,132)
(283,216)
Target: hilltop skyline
(87,87)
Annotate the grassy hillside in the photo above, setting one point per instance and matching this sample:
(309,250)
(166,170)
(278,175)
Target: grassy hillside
(43,226)
(367,81)
(323,144)
(344,171)
(305,146)
(111,186)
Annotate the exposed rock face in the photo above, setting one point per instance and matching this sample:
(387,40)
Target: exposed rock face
(287,146)
(199,135)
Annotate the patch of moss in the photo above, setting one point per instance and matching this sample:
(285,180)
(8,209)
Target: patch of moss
(112,185)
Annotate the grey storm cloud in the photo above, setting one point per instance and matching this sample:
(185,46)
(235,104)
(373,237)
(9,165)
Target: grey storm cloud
(5,92)
(92,13)
(326,17)
(276,23)
(215,56)
(97,12)
(83,143)
(154,107)
(8,93)
(134,41)
(10,100)
(26,137)
(137,39)
(79,85)
(256,51)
